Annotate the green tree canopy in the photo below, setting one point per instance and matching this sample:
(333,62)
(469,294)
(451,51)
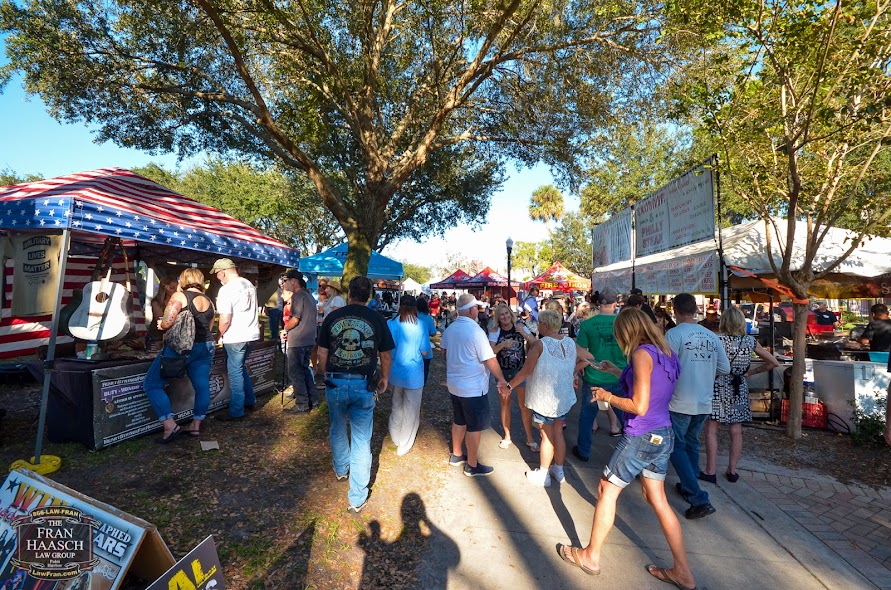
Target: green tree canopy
(401,115)
(418,272)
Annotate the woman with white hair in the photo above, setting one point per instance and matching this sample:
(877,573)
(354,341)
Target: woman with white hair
(549,372)
(730,404)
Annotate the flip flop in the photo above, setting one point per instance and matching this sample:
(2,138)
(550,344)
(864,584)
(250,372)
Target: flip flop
(661,574)
(173,434)
(192,433)
(575,561)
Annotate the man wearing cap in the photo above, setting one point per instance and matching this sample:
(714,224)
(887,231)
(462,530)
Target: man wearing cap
(701,356)
(469,359)
(596,335)
(302,328)
(239,328)
(351,341)
(711,321)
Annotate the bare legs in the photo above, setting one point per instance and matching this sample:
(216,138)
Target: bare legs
(553,445)
(525,413)
(605,515)
(711,447)
(471,439)
(735,447)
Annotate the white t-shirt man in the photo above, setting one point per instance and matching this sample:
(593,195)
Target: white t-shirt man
(238,298)
(701,356)
(467,348)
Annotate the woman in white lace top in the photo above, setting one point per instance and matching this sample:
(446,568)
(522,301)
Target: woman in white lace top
(551,365)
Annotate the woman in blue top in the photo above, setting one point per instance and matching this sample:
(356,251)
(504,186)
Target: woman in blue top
(407,373)
(647,386)
(430,324)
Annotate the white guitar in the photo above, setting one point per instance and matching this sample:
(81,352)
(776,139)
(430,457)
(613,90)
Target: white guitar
(103,312)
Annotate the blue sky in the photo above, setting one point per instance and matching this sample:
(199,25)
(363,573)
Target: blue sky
(35,143)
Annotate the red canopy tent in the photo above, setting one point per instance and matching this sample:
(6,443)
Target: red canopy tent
(488,278)
(560,278)
(450,282)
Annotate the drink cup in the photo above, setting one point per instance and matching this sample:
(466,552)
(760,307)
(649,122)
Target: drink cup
(603,405)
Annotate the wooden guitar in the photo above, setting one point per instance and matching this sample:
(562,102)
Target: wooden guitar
(103,312)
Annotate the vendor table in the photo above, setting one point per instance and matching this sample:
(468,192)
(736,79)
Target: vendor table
(840,385)
(102,403)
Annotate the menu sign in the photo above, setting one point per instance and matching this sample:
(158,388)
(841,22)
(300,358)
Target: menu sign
(682,212)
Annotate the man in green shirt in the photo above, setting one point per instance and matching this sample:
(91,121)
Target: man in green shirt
(596,334)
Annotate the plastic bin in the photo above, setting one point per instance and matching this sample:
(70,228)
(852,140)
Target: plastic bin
(878,357)
(812,415)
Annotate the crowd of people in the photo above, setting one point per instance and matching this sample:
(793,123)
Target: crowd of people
(661,380)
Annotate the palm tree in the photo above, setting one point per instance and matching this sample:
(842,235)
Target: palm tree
(547,205)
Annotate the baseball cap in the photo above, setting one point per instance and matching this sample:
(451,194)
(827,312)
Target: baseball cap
(608,296)
(636,292)
(221,264)
(467,300)
(293,273)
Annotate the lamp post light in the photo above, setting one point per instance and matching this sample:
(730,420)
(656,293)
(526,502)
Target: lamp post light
(510,247)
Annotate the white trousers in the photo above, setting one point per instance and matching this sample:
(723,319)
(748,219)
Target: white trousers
(405,417)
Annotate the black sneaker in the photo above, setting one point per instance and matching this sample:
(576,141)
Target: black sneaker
(713,478)
(681,491)
(480,469)
(224,417)
(357,509)
(578,454)
(457,460)
(701,511)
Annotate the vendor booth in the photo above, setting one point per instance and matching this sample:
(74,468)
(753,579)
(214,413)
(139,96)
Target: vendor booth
(330,264)
(52,229)
(488,282)
(450,282)
(559,278)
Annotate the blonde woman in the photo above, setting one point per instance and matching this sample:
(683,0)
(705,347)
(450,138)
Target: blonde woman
(647,384)
(730,404)
(550,367)
(581,313)
(508,339)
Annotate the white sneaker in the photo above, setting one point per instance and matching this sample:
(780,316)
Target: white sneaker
(505,442)
(539,477)
(557,473)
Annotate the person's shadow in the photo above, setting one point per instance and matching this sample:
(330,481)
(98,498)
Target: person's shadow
(416,559)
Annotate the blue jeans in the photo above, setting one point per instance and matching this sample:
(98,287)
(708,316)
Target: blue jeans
(349,402)
(198,370)
(275,321)
(301,376)
(241,390)
(685,456)
(588,414)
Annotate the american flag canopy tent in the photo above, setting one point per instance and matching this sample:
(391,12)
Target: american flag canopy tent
(120,203)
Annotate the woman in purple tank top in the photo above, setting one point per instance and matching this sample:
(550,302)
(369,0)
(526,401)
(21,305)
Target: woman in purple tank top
(647,384)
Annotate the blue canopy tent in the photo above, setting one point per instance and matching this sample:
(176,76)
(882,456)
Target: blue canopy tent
(330,264)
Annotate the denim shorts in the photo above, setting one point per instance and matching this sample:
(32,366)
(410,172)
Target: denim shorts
(544,420)
(510,374)
(472,412)
(636,455)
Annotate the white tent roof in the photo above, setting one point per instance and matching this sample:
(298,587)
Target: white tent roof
(745,246)
(412,285)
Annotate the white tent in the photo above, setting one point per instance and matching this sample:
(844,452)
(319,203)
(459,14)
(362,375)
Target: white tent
(410,285)
(694,268)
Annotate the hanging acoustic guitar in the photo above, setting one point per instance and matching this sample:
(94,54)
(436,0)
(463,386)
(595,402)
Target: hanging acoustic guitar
(103,312)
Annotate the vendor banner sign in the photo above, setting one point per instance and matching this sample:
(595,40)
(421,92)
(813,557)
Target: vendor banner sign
(690,274)
(682,212)
(55,538)
(612,240)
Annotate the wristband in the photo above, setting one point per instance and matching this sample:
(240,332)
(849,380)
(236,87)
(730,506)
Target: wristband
(509,387)
(610,400)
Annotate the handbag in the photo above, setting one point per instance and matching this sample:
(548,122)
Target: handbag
(173,366)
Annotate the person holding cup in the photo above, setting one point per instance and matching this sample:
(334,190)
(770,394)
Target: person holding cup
(644,449)
(551,365)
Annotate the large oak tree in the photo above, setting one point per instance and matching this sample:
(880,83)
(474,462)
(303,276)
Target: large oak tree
(402,114)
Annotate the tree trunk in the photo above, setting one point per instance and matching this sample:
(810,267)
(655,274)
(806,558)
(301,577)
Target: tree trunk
(358,256)
(796,385)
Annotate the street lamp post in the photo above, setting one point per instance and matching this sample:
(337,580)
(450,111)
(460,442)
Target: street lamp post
(510,247)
